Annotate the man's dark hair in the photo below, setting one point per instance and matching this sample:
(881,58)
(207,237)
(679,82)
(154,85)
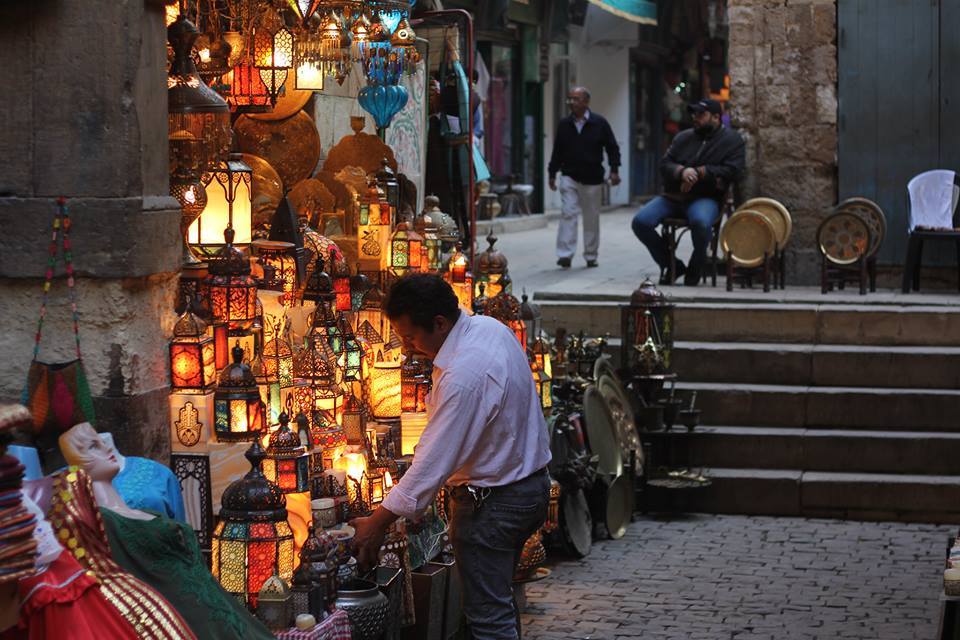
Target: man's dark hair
(421,297)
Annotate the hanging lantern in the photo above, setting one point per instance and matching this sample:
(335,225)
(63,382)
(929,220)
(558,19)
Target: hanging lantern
(506,308)
(237,405)
(251,540)
(405,250)
(233,293)
(384,390)
(323,53)
(243,88)
(198,119)
(279,263)
(359,37)
(287,463)
(192,358)
(491,268)
(229,204)
(272,52)
(460,279)
(403,43)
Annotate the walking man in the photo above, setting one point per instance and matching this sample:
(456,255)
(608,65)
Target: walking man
(485,438)
(697,169)
(578,155)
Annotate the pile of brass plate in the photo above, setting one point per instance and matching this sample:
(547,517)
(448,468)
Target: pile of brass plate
(621,412)
(747,237)
(871,213)
(776,213)
(291,146)
(843,238)
(602,432)
(619,508)
(576,523)
(267,189)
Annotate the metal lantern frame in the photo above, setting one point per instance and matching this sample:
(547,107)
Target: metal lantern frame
(277,359)
(649,316)
(252,540)
(491,269)
(238,408)
(405,250)
(279,262)
(273,47)
(414,386)
(506,308)
(234,178)
(192,356)
(287,463)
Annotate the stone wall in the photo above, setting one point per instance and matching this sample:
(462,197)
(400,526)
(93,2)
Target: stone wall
(85,117)
(783,76)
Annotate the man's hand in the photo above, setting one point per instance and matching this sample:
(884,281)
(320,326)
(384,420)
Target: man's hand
(614,178)
(553,184)
(688,178)
(367,542)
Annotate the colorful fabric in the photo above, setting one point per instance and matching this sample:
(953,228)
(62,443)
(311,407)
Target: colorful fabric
(164,553)
(79,527)
(150,486)
(336,626)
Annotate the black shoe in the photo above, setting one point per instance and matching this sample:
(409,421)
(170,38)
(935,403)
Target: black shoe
(563,263)
(692,276)
(592,263)
(679,270)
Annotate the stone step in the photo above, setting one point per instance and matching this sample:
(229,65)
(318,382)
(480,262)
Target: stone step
(854,496)
(844,324)
(913,452)
(827,407)
(823,365)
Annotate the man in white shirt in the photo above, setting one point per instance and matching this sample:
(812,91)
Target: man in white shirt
(486,438)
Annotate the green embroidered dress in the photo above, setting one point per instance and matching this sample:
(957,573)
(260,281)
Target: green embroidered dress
(164,553)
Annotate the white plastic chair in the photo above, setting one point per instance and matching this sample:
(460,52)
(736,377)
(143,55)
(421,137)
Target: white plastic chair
(933,197)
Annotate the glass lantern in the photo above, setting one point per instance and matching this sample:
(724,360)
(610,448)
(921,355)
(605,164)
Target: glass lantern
(229,192)
(414,386)
(491,269)
(272,52)
(506,308)
(232,292)
(647,320)
(278,359)
(328,442)
(279,263)
(405,254)
(275,605)
(531,316)
(459,278)
(251,540)
(192,358)
(354,420)
(384,389)
(287,464)
(237,404)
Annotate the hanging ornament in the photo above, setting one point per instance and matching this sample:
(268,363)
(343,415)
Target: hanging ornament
(383,102)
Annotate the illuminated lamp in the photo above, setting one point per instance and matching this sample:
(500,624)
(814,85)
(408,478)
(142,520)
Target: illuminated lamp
(355,466)
(323,53)
(543,383)
(233,293)
(359,37)
(272,52)
(287,463)
(328,443)
(252,539)
(646,330)
(371,312)
(540,350)
(229,204)
(189,192)
(383,392)
(414,386)
(506,308)
(411,428)
(431,242)
(278,359)
(491,268)
(237,406)
(374,488)
(341,279)
(279,262)
(405,252)
(316,390)
(459,278)
(354,420)
(192,358)
(373,228)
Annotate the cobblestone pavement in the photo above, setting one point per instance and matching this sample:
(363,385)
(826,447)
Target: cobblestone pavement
(746,578)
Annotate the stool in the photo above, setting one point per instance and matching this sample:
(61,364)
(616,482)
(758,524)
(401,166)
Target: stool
(672,230)
(514,199)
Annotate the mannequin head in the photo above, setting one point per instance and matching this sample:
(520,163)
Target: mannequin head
(82,446)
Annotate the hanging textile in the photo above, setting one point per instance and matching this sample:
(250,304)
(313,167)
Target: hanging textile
(639,11)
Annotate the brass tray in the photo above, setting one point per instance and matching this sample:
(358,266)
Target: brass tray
(776,213)
(576,523)
(267,189)
(621,410)
(602,432)
(291,146)
(747,236)
(619,508)
(843,237)
(872,214)
(292,101)
(604,366)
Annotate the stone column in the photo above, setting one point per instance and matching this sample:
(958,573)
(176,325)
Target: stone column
(783,77)
(84,116)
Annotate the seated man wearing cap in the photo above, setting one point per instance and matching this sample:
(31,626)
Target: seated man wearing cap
(697,169)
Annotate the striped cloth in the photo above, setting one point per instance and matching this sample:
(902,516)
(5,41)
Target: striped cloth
(336,626)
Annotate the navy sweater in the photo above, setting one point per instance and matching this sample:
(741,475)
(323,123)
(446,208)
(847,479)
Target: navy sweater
(580,155)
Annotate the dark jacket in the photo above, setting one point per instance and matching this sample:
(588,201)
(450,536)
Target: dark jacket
(580,155)
(719,159)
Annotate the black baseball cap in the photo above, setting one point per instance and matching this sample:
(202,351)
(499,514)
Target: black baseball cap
(705,105)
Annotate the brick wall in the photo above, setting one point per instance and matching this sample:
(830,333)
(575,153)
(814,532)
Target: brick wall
(783,68)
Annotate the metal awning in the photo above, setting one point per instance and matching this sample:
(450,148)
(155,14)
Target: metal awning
(639,11)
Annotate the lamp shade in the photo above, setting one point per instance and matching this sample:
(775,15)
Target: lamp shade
(384,389)
(192,361)
(229,204)
(232,292)
(251,540)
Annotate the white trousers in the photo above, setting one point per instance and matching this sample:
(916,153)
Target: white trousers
(578,200)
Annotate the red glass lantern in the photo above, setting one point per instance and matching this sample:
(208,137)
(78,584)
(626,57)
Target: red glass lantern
(405,254)
(237,405)
(287,463)
(233,293)
(192,357)
(506,308)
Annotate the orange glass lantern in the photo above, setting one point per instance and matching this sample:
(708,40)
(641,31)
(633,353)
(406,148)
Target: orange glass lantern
(384,390)
(354,420)
(506,308)
(229,194)
(459,278)
(272,52)
(192,358)
(491,269)
(239,412)
(329,443)
(287,463)
(233,293)
(414,386)
(405,250)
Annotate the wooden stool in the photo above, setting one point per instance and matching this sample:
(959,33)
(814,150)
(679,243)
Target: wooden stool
(672,230)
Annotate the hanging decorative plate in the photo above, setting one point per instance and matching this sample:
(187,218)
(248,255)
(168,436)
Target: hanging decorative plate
(619,507)
(621,410)
(576,523)
(776,213)
(602,433)
(843,238)
(746,237)
(288,104)
(871,213)
(267,189)
(291,146)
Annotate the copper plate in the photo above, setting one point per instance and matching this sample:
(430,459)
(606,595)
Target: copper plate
(292,101)
(776,213)
(291,146)
(746,237)
(311,197)
(843,237)
(619,508)
(267,189)
(623,419)
(576,523)
(602,432)
(871,213)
